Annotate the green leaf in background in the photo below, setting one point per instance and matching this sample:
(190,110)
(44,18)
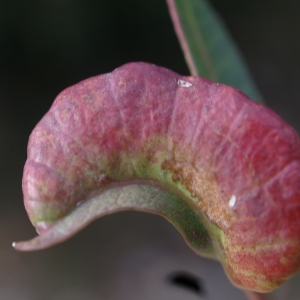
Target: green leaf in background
(208,48)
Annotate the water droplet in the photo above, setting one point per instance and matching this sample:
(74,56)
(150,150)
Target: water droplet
(232,201)
(183,83)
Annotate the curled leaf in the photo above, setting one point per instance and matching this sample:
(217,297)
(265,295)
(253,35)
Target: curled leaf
(222,168)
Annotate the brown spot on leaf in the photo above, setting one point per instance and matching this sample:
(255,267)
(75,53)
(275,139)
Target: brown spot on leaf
(202,185)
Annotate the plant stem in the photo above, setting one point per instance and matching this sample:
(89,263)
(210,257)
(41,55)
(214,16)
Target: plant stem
(256,296)
(182,37)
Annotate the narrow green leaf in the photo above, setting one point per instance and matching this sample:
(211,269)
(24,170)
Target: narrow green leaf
(208,48)
(131,197)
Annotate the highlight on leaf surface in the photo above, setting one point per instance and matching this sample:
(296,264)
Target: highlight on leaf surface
(223,169)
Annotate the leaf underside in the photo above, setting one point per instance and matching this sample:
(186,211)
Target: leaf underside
(129,197)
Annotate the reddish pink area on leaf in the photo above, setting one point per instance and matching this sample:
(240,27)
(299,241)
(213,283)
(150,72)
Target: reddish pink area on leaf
(236,159)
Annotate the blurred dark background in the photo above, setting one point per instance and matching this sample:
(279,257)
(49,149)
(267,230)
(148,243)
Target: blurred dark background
(46,46)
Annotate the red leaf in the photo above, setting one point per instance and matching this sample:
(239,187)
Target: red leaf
(233,161)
